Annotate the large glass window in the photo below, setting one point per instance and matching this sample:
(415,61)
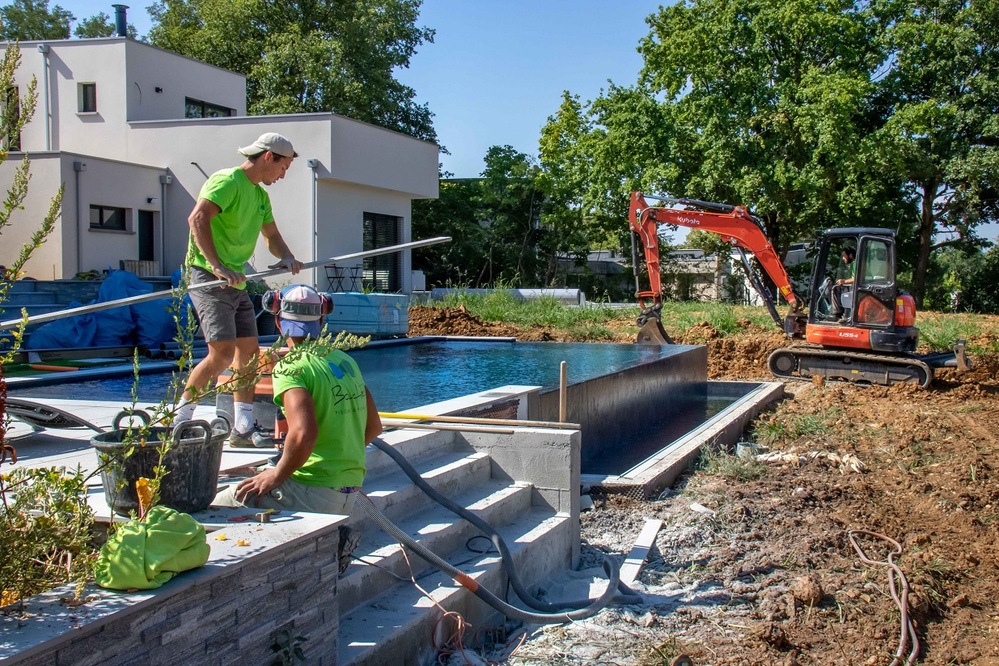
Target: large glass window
(875,264)
(108,218)
(88,97)
(382,273)
(196,108)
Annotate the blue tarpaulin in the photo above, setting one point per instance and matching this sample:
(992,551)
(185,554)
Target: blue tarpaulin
(148,323)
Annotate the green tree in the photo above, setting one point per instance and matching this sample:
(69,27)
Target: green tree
(306,56)
(24,20)
(101,25)
(942,89)
(510,204)
(453,213)
(572,229)
(709,242)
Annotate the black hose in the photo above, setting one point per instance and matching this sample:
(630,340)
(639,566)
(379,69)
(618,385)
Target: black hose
(469,583)
(627,596)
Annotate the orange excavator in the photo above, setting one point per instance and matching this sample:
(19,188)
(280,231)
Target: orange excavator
(858,326)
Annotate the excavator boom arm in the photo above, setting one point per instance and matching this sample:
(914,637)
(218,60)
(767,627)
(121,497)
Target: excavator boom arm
(733,223)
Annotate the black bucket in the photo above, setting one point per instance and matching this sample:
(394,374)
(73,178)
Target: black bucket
(192,462)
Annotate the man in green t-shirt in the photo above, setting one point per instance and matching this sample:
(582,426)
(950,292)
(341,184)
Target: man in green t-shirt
(330,413)
(232,212)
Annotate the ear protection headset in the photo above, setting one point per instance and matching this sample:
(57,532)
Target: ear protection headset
(273,303)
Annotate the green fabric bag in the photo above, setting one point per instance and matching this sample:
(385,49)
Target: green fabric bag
(144,554)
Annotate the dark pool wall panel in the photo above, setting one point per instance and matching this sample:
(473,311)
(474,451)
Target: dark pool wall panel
(614,407)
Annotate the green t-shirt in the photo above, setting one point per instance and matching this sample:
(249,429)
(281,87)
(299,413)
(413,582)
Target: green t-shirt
(245,209)
(337,390)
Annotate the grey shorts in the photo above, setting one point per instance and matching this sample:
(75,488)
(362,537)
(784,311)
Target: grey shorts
(223,312)
(294,496)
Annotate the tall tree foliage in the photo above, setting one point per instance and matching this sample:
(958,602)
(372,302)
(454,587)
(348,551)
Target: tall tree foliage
(307,55)
(24,20)
(495,221)
(101,25)
(942,91)
(757,102)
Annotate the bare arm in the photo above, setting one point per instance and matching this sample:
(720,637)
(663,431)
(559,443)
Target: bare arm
(299,443)
(373,427)
(277,247)
(200,221)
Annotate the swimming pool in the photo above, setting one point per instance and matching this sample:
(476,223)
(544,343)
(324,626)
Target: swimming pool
(406,374)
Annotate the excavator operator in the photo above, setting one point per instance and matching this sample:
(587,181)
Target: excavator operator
(848,272)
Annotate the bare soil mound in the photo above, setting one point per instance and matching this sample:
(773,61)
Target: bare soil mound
(459,321)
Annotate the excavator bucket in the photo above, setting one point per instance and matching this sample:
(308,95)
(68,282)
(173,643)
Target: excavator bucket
(960,357)
(653,333)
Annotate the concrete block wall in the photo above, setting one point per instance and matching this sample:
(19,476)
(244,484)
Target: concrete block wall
(231,614)
(546,459)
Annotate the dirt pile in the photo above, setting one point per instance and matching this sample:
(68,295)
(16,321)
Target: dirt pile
(753,564)
(461,322)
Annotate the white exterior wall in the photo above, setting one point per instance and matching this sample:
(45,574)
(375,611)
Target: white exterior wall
(148,68)
(341,208)
(46,174)
(116,184)
(377,157)
(70,64)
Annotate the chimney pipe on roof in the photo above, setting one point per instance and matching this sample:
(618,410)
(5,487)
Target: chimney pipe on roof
(120,20)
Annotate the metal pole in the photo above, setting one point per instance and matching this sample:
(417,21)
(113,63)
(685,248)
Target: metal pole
(142,298)
(562,394)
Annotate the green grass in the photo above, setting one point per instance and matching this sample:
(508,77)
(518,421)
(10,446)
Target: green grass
(941,331)
(502,306)
(731,467)
(772,432)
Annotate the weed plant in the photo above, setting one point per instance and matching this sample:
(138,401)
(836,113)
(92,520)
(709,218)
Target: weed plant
(728,466)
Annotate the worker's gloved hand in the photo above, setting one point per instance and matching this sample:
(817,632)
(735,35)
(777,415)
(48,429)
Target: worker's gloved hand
(290,263)
(234,278)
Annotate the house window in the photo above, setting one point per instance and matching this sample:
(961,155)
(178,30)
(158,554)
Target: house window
(383,273)
(108,218)
(195,108)
(10,107)
(88,97)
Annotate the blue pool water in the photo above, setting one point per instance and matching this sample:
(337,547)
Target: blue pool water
(407,375)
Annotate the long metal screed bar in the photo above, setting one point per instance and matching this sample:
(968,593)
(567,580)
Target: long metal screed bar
(142,298)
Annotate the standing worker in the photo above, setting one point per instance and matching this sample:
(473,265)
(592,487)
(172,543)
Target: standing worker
(232,211)
(331,418)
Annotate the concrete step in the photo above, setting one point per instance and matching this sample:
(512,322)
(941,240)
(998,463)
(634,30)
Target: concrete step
(396,628)
(414,445)
(451,473)
(437,528)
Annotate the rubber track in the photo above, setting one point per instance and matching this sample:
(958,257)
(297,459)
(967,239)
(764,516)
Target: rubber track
(874,359)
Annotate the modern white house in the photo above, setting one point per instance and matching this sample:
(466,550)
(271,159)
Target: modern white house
(132,132)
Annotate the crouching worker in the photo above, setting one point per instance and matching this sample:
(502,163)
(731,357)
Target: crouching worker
(330,413)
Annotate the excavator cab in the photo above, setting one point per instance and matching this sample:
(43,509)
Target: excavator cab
(855,301)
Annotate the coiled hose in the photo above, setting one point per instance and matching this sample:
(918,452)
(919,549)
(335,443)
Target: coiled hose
(551,612)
